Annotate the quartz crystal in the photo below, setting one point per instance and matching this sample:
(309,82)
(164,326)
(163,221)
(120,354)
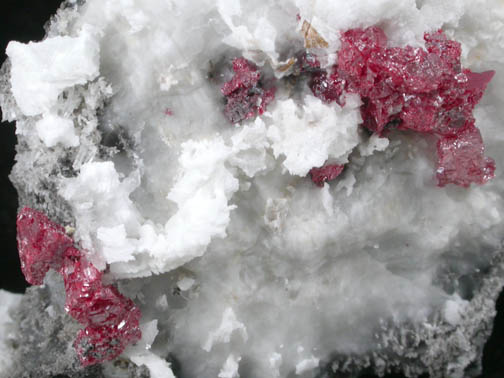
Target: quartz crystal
(274,189)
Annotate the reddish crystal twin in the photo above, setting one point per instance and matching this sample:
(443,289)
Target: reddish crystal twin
(110,320)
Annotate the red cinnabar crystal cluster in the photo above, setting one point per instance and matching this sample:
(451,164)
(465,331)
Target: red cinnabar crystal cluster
(426,91)
(110,320)
(423,90)
(245,97)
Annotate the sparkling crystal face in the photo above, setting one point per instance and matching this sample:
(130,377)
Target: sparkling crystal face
(461,159)
(111,320)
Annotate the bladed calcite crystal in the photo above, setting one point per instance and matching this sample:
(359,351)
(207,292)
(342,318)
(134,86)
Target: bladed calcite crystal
(261,179)
(111,320)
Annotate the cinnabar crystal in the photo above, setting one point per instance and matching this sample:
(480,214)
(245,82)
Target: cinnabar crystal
(326,173)
(41,244)
(245,97)
(246,76)
(328,88)
(461,159)
(111,320)
(423,90)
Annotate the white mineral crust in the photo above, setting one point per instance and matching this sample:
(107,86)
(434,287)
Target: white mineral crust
(272,262)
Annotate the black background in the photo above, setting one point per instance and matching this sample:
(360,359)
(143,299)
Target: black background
(23,20)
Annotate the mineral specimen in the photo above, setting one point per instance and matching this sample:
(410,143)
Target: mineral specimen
(150,129)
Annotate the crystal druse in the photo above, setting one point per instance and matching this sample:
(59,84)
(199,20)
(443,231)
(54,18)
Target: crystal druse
(257,188)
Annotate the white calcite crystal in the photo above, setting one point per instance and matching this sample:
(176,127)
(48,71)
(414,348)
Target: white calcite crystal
(53,129)
(41,71)
(311,135)
(242,267)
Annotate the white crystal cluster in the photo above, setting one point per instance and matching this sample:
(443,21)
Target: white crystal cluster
(246,266)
